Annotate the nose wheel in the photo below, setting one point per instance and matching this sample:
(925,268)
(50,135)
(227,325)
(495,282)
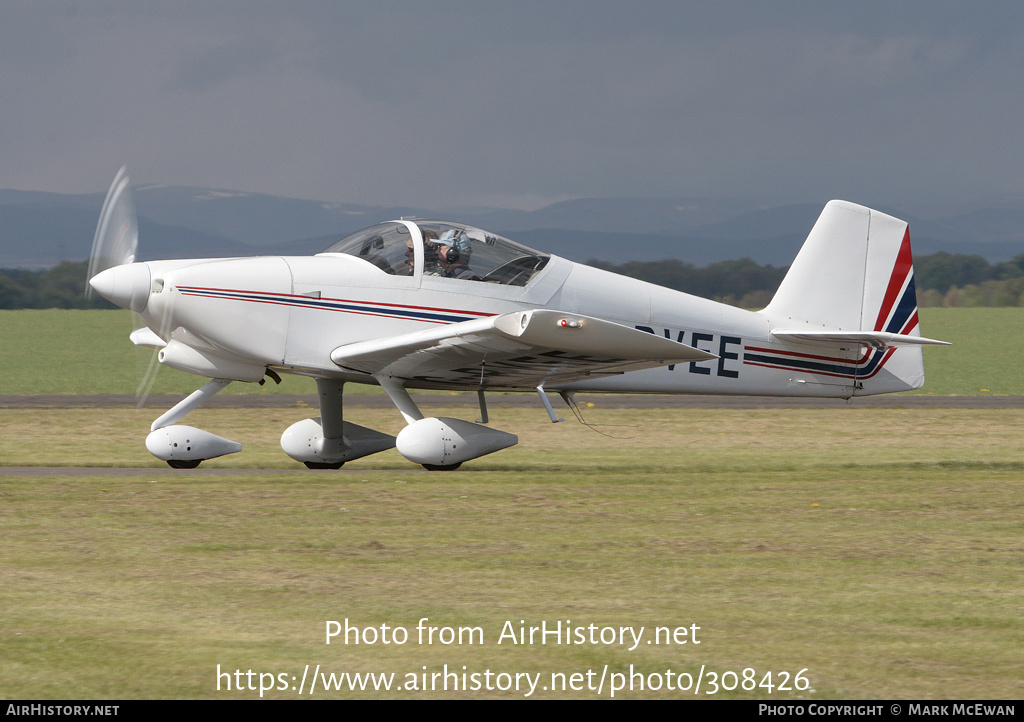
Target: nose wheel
(182,464)
(323,465)
(185,447)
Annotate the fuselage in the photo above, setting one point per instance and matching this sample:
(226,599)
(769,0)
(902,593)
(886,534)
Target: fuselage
(241,316)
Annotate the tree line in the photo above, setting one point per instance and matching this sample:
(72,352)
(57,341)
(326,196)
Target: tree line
(942,279)
(62,286)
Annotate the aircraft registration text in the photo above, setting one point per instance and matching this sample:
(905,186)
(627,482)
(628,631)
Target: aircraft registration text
(712,343)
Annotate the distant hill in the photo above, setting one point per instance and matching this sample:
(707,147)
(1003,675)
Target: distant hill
(39,230)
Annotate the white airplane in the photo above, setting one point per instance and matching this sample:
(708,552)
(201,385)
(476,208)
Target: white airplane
(417,304)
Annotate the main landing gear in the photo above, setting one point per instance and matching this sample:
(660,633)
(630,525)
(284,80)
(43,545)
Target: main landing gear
(328,441)
(441,443)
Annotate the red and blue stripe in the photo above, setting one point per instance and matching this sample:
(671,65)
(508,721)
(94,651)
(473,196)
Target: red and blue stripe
(427,314)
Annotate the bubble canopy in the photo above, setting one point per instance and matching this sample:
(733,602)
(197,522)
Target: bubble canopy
(484,256)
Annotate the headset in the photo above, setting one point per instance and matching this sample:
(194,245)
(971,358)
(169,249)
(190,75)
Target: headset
(452,255)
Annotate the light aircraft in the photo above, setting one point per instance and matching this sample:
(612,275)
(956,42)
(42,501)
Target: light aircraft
(422,304)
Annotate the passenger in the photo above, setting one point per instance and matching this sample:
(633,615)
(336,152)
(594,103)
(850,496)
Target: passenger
(453,254)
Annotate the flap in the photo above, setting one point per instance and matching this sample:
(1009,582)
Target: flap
(516,350)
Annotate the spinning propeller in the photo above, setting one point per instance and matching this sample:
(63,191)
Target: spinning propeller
(116,244)
(117,233)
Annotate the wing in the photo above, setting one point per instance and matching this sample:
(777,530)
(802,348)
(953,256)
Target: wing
(515,350)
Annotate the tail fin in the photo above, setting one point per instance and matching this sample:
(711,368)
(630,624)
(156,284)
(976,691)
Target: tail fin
(852,284)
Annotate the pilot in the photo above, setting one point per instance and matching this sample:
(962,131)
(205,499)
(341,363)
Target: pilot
(453,253)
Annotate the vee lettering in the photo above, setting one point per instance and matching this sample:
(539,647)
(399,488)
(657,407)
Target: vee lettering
(724,367)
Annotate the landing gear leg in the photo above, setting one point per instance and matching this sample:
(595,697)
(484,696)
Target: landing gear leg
(332,419)
(190,403)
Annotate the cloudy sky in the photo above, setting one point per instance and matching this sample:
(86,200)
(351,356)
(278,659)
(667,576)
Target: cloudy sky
(518,103)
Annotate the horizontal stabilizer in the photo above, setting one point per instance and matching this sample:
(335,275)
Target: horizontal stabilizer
(875,339)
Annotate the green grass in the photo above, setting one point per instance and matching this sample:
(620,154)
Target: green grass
(879,549)
(88,352)
(982,360)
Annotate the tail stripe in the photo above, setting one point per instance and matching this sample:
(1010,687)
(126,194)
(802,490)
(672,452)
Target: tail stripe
(902,279)
(848,369)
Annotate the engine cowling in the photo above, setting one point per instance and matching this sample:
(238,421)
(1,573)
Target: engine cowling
(443,441)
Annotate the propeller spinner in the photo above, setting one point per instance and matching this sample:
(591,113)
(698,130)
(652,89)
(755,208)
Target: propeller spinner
(117,233)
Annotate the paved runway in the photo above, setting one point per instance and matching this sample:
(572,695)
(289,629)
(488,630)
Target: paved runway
(613,401)
(156,472)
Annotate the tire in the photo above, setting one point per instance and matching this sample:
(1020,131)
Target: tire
(183,464)
(441,467)
(323,465)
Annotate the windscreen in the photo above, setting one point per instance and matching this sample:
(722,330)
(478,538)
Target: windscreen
(450,250)
(388,246)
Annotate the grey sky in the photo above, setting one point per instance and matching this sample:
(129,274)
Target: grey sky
(518,103)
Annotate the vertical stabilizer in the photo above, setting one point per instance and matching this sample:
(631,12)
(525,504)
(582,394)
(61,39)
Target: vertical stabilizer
(854,273)
(852,286)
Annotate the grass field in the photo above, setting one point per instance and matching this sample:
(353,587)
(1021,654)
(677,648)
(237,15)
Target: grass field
(875,551)
(878,550)
(88,352)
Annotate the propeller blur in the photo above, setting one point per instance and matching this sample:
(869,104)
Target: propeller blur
(418,304)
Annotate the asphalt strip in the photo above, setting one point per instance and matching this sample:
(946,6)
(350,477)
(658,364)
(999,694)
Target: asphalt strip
(155,472)
(611,401)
